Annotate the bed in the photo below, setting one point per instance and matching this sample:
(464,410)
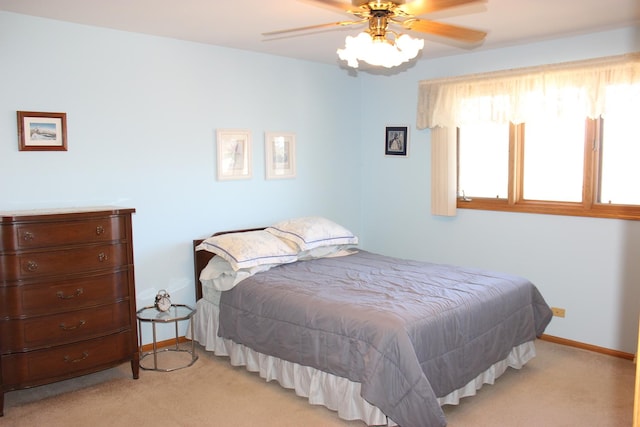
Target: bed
(384,340)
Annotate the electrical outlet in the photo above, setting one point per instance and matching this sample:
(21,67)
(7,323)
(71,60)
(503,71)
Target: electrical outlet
(558,312)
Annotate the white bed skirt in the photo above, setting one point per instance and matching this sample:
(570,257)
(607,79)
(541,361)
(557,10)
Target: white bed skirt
(321,388)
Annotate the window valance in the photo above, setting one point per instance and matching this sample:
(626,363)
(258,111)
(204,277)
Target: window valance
(518,95)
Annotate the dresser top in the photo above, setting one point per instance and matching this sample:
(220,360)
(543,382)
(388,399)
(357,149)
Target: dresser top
(33,214)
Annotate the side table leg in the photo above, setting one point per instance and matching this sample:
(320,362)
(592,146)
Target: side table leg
(193,342)
(177,338)
(155,346)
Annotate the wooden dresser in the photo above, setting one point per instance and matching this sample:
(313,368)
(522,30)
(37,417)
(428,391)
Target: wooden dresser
(67,295)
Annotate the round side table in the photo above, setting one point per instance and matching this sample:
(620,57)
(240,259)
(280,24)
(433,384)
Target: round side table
(176,314)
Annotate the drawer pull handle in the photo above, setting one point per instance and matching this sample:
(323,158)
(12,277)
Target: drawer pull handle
(32,266)
(102,257)
(28,236)
(99,230)
(85,354)
(71,328)
(61,294)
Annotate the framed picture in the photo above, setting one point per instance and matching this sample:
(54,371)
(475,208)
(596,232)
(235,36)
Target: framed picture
(396,140)
(42,131)
(280,155)
(234,154)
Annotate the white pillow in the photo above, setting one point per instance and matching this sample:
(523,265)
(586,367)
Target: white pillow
(313,232)
(249,249)
(219,275)
(331,251)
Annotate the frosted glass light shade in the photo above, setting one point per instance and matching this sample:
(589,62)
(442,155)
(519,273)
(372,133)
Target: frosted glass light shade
(378,52)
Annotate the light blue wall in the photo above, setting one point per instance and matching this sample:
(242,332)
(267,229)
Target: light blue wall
(589,266)
(142,114)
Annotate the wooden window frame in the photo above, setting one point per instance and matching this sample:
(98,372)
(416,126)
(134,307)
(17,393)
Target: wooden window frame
(589,207)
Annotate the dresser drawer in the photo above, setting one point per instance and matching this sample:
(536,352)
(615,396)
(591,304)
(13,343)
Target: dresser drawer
(61,262)
(31,299)
(21,370)
(21,236)
(45,331)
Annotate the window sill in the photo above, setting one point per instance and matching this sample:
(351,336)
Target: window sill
(553,208)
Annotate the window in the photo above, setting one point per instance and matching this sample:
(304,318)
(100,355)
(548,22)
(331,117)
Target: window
(483,160)
(553,163)
(620,156)
(557,138)
(571,166)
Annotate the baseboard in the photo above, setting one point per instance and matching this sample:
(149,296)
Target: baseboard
(165,343)
(577,344)
(545,337)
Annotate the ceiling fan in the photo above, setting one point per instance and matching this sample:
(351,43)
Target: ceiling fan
(379,14)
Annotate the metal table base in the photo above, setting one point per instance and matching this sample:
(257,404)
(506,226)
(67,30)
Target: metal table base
(177,313)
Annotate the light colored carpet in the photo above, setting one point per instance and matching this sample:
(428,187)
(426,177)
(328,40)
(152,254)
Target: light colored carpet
(562,386)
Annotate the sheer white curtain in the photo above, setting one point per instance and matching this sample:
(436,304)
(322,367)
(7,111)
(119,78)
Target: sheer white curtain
(518,96)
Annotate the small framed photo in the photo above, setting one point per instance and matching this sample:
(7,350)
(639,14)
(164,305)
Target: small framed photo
(234,154)
(280,155)
(42,131)
(396,140)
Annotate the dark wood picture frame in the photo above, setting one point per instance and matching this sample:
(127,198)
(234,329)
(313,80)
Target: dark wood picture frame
(38,131)
(396,140)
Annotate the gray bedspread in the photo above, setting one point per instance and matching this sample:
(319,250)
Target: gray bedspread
(407,331)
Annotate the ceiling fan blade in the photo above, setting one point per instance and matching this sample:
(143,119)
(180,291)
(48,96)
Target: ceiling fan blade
(312,27)
(422,7)
(343,7)
(446,30)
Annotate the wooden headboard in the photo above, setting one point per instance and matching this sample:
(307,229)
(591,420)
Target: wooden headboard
(201,258)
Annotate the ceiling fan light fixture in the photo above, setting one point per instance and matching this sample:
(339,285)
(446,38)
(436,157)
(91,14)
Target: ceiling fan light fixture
(409,46)
(379,51)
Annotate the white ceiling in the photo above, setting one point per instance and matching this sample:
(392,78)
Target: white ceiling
(240,23)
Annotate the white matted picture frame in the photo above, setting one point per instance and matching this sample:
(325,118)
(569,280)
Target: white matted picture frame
(234,154)
(280,155)
(396,140)
(38,131)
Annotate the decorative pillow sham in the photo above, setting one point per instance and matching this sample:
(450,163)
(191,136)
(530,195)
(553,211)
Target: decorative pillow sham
(249,249)
(313,232)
